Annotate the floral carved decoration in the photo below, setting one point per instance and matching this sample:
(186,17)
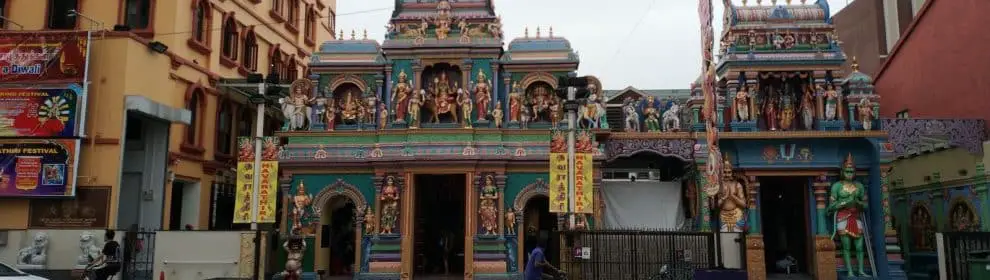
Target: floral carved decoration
(679,148)
(965,133)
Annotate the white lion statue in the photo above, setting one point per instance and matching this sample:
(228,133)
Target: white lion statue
(35,254)
(89,250)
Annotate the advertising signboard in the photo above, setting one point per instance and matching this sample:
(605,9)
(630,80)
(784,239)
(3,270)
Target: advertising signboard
(49,57)
(37,168)
(49,113)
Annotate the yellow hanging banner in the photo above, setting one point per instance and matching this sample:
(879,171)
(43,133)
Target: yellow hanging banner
(245,188)
(584,192)
(558,173)
(266,192)
(558,183)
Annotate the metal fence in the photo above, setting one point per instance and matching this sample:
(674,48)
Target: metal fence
(639,254)
(955,248)
(139,255)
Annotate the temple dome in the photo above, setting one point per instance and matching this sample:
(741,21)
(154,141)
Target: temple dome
(350,46)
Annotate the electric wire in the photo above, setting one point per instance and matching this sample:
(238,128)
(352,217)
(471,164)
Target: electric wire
(631,32)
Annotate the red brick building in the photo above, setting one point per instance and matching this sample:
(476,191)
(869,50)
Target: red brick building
(939,68)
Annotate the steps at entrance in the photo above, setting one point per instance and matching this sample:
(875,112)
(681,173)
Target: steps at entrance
(490,255)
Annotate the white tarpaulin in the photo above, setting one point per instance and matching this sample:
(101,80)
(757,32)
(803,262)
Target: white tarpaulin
(643,204)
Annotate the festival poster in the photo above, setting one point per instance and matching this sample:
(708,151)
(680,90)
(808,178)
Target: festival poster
(49,113)
(584,192)
(38,168)
(558,173)
(48,57)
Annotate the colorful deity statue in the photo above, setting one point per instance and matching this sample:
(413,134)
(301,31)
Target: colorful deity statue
(831,103)
(651,112)
(487,208)
(770,112)
(672,117)
(515,103)
(847,200)
(350,110)
(390,205)
(741,104)
(808,108)
(631,115)
(297,108)
(497,114)
(330,115)
(510,221)
(382,115)
(786,113)
(482,95)
(731,200)
(400,97)
(369,221)
(865,110)
(415,103)
(301,202)
(464,99)
(295,247)
(556,112)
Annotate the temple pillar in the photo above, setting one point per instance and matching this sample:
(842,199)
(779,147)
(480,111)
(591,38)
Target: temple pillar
(358,236)
(895,259)
(824,262)
(755,258)
(408,206)
(470,226)
(466,66)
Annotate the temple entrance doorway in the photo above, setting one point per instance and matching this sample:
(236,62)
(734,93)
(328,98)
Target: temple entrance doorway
(538,223)
(337,236)
(439,225)
(784,215)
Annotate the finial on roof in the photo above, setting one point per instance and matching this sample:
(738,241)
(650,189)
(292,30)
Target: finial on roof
(787,1)
(366,34)
(804,2)
(855,65)
(551,31)
(759,2)
(340,36)
(353,35)
(744,2)
(526,33)
(537,32)
(773,2)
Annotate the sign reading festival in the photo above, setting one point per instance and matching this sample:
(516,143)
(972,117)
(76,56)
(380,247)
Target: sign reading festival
(42,91)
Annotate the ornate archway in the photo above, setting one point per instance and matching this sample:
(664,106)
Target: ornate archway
(345,79)
(537,188)
(538,77)
(682,149)
(962,215)
(922,227)
(340,188)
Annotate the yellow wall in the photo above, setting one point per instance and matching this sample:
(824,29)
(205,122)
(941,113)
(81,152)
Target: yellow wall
(947,163)
(121,64)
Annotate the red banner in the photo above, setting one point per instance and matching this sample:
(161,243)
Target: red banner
(50,57)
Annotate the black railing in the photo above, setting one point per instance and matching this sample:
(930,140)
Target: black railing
(139,255)
(956,250)
(639,254)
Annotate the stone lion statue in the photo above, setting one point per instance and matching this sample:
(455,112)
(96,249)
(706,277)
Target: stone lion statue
(36,253)
(89,250)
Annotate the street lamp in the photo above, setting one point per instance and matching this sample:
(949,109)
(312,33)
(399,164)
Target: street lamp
(573,90)
(268,92)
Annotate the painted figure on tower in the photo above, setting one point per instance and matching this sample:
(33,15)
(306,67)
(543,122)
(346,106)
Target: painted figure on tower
(651,113)
(831,103)
(482,95)
(731,200)
(301,203)
(847,200)
(808,108)
(865,108)
(515,103)
(298,109)
(390,205)
(741,104)
(672,116)
(400,97)
(487,208)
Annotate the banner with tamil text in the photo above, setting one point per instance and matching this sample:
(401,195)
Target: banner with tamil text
(584,191)
(268,180)
(558,183)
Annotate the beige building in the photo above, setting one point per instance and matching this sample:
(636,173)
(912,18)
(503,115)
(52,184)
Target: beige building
(162,125)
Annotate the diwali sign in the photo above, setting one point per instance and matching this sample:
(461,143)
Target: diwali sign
(36,168)
(56,57)
(558,173)
(267,181)
(584,192)
(39,112)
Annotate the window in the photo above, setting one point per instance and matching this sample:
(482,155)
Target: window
(276,63)
(292,73)
(331,20)
(193,104)
(308,29)
(245,123)
(200,24)
(223,129)
(293,12)
(250,55)
(137,13)
(229,41)
(3,12)
(58,14)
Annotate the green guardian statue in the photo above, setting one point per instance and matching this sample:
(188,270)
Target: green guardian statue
(847,200)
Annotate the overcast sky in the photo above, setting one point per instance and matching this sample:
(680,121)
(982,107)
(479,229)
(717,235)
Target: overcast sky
(647,44)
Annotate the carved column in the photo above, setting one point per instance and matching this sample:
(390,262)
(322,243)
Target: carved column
(417,77)
(825,261)
(466,66)
(285,185)
(471,226)
(408,208)
(388,88)
(500,183)
(755,260)
(358,235)
(705,223)
(495,86)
